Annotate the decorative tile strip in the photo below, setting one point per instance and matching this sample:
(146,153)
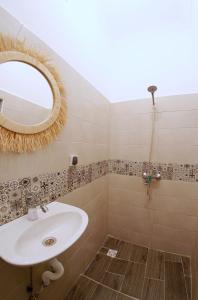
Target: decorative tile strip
(49,187)
(44,188)
(170,171)
(125,167)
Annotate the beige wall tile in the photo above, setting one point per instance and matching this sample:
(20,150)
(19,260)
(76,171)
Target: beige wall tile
(177,136)
(178,153)
(127,234)
(87,134)
(20,291)
(127,107)
(138,220)
(126,182)
(88,118)
(176,188)
(131,122)
(121,200)
(186,206)
(171,246)
(175,129)
(177,103)
(134,153)
(169,220)
(175,220)
(177,119)
(169,233)
(13,278)
(130,137)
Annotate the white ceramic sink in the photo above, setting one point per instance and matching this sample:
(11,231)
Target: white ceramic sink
(24,242)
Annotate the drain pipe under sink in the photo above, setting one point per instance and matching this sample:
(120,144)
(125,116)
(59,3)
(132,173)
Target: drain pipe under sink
(58,271)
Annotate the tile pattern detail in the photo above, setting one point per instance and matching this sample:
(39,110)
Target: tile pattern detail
(142,273)
(16,195)
(169,171)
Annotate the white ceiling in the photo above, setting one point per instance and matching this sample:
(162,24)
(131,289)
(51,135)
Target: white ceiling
(120,46)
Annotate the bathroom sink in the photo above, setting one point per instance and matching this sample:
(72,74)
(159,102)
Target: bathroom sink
(24,242)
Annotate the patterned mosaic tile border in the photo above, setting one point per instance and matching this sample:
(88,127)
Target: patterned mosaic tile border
(44,188)
(170,171)
(49,187)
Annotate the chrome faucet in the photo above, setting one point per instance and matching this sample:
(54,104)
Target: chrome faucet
(32,209)
(44,208)
(149,178)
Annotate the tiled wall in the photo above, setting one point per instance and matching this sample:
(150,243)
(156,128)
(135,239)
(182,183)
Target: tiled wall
(169,220)
(85,134)
(44,188)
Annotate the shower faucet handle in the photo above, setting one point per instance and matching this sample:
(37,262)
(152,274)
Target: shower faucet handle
(157,175)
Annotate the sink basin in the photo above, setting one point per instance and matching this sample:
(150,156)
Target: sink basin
(24,242)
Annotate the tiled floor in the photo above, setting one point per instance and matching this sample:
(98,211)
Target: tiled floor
(135,273)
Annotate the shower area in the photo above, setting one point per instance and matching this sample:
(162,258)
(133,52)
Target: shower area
(150,252)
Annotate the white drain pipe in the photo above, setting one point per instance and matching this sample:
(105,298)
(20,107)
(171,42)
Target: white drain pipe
(58,271)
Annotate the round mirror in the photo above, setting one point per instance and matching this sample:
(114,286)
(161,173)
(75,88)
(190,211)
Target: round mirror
(25,94)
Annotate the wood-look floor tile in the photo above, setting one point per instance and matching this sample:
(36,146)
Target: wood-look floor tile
(98,267)
(113,280)
(112,243)
(155,265)
(153,289)
(118,266)
(133,281)
(139,254)
(124,250)
(172,257)
(123,297)
(104,250)
(83,290)
(186,265)
(174,282)
(103,293)
(189,287)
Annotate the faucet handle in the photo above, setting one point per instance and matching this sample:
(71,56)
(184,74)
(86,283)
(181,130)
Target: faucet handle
(158,175)
(44,208)
(144,175)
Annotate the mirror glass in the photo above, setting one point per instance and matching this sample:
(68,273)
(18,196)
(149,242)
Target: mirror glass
(26,96)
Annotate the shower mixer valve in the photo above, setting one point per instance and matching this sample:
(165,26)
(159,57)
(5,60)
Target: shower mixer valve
(149,178)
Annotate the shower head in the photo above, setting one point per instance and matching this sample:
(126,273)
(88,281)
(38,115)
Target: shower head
(152,89)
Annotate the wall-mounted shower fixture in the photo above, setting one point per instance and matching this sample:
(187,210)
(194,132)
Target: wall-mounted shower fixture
(148,178)
(152,89)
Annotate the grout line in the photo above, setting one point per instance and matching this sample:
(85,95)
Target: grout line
(118,258)
(164,277)
(191,278)
(110,261)
(108,287)
(156,279)
(148,247)
(190,267)
(124,276)
(120,275)
(146,266)
(185,282)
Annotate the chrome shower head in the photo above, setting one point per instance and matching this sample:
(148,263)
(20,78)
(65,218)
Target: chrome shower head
(152,89)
